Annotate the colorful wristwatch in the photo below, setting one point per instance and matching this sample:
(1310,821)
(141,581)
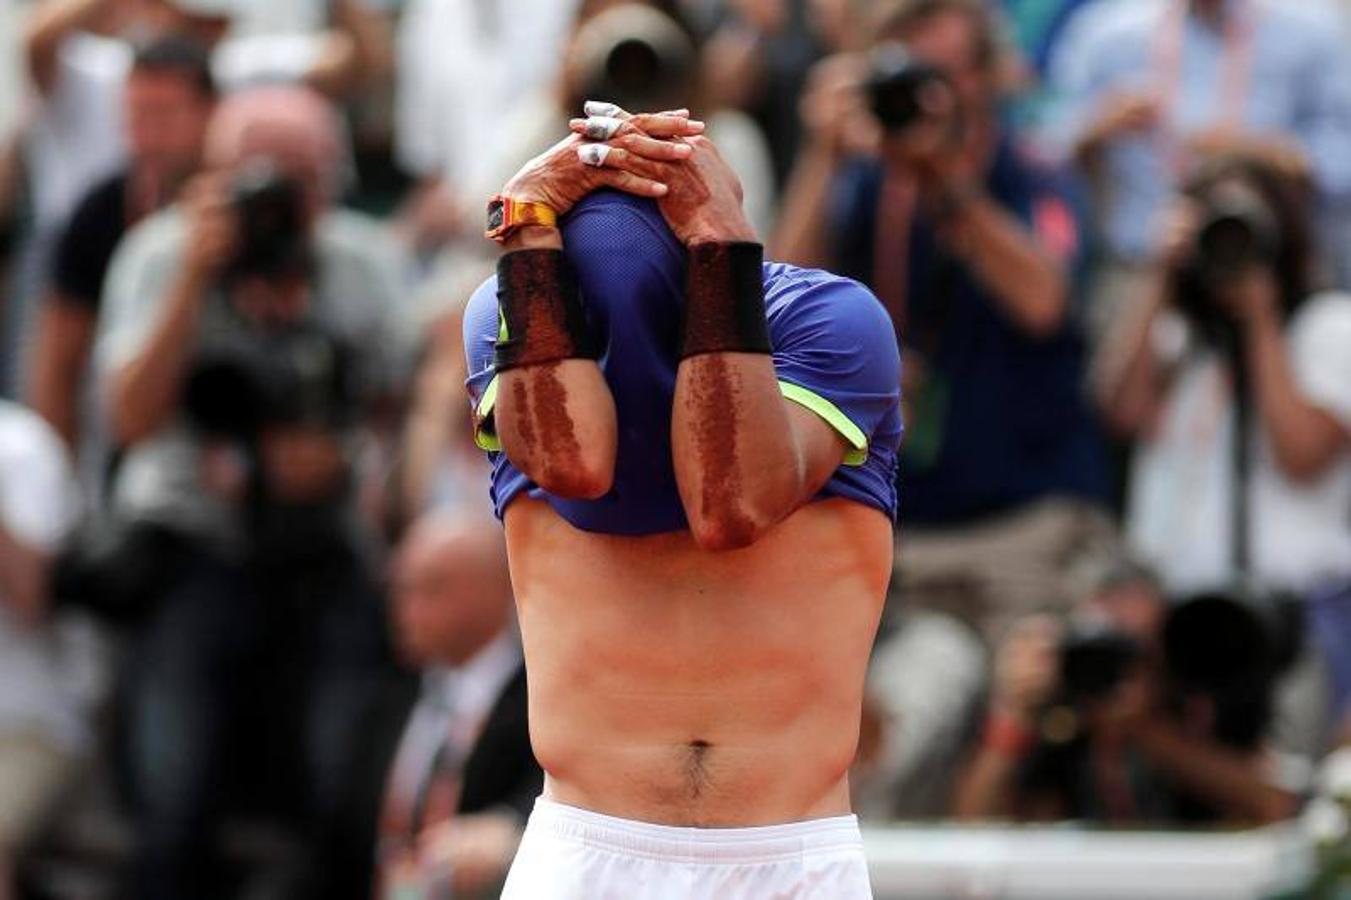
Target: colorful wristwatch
(505,215)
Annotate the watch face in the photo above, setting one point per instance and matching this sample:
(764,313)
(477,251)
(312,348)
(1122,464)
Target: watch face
(496,214)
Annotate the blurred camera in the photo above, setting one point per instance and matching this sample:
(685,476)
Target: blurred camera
(246,379)
(1094,659)
(270,209)
(899,86)
(636,57)
(1237,231)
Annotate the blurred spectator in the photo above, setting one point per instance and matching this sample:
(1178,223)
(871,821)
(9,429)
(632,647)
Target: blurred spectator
(1254,341)
(461,66)
(442,469)
(969,246)
(1038,25)
(79,53)
(463,779)
(168,101)
(758,58)
(241,341)
(632,52)
(11,68)
(1131,714)
(1145,85)
(49,667)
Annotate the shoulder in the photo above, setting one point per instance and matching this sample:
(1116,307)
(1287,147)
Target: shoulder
(38,495)
(148,250)
(1324,320)
(105,199)
(819,307)
(162,234)
(25,437)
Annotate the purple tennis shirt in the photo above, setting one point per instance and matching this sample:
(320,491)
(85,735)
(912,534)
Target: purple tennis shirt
(834,352)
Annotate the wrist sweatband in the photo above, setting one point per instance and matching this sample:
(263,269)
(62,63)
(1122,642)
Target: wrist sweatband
(1007,736)
(725,306)
(541,309)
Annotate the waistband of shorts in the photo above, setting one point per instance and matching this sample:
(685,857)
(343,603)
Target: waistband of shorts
(757,844)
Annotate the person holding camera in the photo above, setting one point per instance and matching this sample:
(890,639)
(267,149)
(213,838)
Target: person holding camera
(243,340)
(1231,337)
(1130,713)
(912,184)
(168,99)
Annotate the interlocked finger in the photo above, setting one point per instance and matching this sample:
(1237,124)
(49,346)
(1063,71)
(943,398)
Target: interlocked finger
(594,154)
(602,128)
(633,184)
(603,109)
(612,157)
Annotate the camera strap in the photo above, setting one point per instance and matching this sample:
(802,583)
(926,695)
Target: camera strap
(1240,515)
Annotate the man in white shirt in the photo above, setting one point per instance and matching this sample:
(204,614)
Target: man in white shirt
(44,667)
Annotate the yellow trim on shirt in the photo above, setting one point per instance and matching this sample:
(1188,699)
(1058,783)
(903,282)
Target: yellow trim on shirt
(484,438)
(858,441)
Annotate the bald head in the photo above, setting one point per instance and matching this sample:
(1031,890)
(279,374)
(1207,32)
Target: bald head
(293,128)
(452,590)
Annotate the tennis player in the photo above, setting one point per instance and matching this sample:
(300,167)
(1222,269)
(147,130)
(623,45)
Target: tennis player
(694,455)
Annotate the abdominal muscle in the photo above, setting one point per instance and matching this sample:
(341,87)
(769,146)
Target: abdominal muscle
(677,686)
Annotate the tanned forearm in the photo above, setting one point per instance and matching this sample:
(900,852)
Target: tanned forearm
(739,465)
(49,24)
(64,335)
(745,458)
(802,236)
(1032,288)
(1306,439)
(1129,378)
(986,789)
(556,420)
(146,389)
(23,576)
(1231,780)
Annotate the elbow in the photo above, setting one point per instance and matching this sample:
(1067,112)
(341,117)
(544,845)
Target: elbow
(579,479)
(722,529)
(1302,467)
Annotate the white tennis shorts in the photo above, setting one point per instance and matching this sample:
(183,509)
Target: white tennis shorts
(574,854)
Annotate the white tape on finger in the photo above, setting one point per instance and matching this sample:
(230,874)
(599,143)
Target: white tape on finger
(593,154)
(602,128)
(601,108)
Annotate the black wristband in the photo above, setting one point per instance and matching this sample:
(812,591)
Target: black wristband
(725,306)
(542,316)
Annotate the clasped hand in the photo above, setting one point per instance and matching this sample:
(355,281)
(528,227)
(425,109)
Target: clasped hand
(664,156)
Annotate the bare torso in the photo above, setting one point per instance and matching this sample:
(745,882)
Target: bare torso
(677,686)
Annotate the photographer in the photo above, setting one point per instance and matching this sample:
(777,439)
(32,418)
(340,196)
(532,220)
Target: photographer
(911,184)
(1131,713)
(241,344)
(930,203)
(1230,331)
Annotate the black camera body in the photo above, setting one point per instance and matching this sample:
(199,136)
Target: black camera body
(247,378)
(1237,231)
(1094,659)
(270,214)
(1229,646)
(898,85)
